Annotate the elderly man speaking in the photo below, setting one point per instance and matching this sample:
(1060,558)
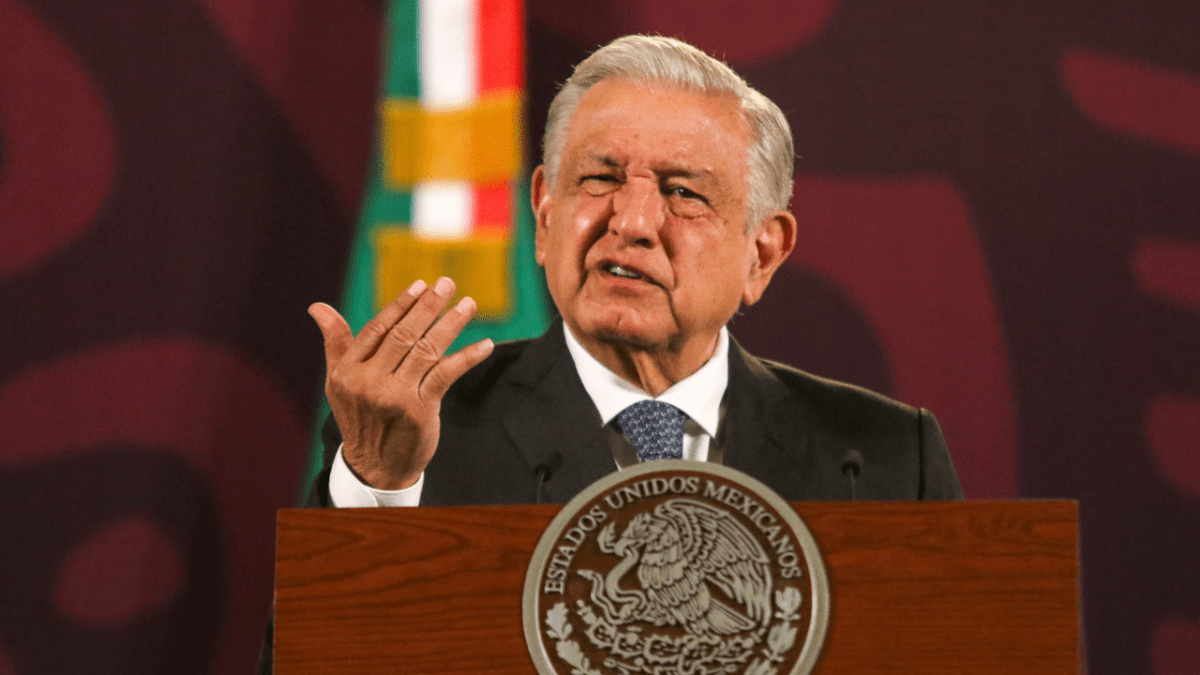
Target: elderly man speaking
(661,208)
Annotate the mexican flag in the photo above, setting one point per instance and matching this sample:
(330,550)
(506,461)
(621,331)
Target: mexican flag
(448,194)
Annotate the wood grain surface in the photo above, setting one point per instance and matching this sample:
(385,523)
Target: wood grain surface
(966,587)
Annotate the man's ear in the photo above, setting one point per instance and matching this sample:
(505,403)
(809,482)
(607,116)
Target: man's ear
(539,195)
(773,243)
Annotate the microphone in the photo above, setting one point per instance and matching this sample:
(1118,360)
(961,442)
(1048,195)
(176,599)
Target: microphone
(851,467)
(544,471)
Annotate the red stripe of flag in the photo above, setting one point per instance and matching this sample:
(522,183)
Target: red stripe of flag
(493,210)
(501,45)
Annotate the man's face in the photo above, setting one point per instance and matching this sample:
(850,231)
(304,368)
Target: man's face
(643,235)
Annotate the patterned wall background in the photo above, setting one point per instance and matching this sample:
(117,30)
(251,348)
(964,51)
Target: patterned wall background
(1000,220)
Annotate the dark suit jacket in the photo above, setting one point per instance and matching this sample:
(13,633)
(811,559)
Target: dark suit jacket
(525,407)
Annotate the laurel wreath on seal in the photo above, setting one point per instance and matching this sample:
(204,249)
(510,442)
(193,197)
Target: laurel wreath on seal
(782,635)
(568,650)
(780,639)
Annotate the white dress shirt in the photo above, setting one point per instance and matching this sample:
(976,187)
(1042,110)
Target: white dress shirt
(698,396)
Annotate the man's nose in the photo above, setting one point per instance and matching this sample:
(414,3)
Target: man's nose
(637,212)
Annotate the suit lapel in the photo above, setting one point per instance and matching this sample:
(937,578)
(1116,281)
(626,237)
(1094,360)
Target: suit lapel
(764,433)
(556,424)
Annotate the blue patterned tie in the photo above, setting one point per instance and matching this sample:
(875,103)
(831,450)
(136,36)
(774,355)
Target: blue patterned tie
(654,428)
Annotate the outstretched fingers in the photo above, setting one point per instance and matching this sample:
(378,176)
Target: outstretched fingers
(372,336)
(405,343)
(426,353)
(447,371)
(417,333)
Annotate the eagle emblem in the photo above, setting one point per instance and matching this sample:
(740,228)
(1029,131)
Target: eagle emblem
(680,554)
(676,568)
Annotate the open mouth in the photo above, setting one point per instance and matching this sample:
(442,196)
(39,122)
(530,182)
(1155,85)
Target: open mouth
(623,272)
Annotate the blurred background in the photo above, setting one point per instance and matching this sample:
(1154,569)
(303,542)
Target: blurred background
(999,208)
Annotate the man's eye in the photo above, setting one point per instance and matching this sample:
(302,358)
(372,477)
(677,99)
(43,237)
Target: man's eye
(680,191)
(598,184)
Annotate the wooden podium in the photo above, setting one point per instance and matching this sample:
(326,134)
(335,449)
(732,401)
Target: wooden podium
(958,587)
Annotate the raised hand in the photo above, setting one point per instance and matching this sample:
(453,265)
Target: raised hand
(385,385)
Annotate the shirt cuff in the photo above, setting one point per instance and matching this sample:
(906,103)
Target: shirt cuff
(347,491)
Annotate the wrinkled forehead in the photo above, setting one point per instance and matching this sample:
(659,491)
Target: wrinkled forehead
(618,120)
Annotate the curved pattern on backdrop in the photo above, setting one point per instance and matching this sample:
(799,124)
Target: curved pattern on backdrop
(177,183)
(165,446)
(58,149)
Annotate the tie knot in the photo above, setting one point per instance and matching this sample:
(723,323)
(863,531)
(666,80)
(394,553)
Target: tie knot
(654,428)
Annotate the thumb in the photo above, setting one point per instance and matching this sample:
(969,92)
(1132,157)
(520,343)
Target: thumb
(334,329)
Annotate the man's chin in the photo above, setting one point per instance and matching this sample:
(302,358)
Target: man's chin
(624,338)
(624,332)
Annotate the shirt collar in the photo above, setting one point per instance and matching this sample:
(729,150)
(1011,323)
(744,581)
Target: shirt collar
(697,395)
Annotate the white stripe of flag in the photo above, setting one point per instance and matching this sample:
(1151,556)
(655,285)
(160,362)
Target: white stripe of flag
(449,79)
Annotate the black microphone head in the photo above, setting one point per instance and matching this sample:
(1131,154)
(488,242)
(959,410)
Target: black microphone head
(548,466)
(852,462)
(543,472)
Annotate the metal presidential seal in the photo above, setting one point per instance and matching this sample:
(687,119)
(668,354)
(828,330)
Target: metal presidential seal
(676,567)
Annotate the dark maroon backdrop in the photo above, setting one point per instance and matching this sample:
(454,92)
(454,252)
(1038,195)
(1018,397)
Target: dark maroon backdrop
(1000,220)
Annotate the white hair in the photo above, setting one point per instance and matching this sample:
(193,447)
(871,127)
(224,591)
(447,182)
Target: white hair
(651,59)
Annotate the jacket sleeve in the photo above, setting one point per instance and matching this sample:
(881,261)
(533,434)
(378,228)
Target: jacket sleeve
(939,481)
(318,492)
